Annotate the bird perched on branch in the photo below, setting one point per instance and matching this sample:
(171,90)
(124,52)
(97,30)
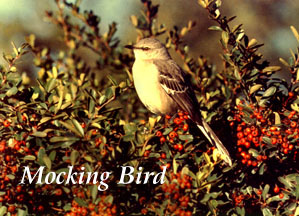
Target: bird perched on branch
(163,87)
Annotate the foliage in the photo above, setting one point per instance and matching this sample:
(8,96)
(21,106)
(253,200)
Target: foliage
(87,115)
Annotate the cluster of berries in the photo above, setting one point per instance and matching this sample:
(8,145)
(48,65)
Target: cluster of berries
(175,191)
(260,133)
(180,127)
(101,209)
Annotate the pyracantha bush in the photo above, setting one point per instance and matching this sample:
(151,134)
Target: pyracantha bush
(87,115)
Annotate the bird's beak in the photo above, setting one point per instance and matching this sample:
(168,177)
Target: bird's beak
(129,47)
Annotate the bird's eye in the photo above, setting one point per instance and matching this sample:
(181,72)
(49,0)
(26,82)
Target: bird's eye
(145,48)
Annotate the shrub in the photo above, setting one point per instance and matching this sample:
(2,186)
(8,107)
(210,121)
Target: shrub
(87,115)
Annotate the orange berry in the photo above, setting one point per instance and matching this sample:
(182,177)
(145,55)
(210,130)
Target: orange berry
(6,123)
(249,162)
(177,121)
(291,94)
(255,133)
(173,134)
(249,137)
(243,154)
(281,195)
(273,141)
(293,124)
(273,129)
(239,128)
(162,139)
(24,118)
(11,208)
(255,140)
(247,144)
(180,147)
(159,134)
(58,192)
(240,135)
(276,189)
(168,117)
(185,127)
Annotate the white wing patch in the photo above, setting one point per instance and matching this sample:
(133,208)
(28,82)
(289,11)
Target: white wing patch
(171,86)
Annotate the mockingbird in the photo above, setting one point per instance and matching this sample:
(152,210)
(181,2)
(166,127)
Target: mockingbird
(163,87)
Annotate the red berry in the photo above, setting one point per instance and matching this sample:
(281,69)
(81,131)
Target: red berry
(185,127)
(6,123)
(276,189)
(173,134)
(162,139)
(281,195)
(168,117)
(180,147)
(293,124)
(240,135)
(273,141)
(159,134)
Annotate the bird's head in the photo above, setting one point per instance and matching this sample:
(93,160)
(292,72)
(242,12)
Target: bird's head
(149,48)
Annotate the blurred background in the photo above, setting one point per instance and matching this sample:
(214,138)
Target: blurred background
(268,21)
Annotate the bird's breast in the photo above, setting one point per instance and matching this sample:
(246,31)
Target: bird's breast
(149,89)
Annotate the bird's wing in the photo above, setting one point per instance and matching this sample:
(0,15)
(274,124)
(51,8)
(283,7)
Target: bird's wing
(174,82)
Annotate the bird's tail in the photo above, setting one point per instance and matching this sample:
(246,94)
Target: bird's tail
(212,137)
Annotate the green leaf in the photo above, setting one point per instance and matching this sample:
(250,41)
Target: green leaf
(74,155)
(262,169)
(175,166)
(30,157)
(12,91)
(277,118)
(225,38)
(285,181)
(284,62)
(89,158)
(3,210)
(187,137)
(81,202)
(39,134)
(269,92)
(21,212)
(265,191)
(63,139)
(267,212)
(69,125)
(255,88)
(44,120)
(79,127)
(215,28)
(295,32)
(94,192)
(47,161)
(271,69)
